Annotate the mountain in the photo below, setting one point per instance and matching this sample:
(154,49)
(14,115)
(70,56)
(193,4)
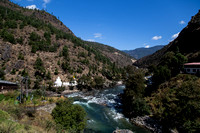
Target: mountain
(35,43)
(119,57)
(187,43)
(141,52)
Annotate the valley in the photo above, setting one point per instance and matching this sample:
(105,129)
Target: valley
(51,80)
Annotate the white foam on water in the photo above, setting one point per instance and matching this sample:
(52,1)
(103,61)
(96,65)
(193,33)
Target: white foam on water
(106,116)
(78,94)
(82,103)
(113,95)
(91,121)
(116,115)
(102,99)
(78,102)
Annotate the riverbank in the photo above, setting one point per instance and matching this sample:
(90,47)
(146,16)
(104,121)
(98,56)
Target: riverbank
(145,122)
(104,112)
(106,98)
(148,123)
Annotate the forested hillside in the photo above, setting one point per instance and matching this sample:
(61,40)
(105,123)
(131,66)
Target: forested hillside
(35,43)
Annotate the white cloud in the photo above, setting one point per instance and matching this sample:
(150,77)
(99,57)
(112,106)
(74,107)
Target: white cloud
(32,7)
(97,35)
(182,22)
(146,46)
(175,35)
(156,37)
(90,40)
(45,3)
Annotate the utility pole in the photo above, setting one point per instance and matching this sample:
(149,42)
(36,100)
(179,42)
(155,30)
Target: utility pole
(44,88)
(27,87)
(21,95)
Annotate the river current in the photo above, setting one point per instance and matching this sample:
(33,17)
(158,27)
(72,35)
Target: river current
(104,113)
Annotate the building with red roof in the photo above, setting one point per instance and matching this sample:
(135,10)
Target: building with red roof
(192,68)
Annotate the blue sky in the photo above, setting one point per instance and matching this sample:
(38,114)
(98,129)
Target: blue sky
(123,24)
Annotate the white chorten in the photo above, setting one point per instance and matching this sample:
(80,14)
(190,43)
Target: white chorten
(58,82)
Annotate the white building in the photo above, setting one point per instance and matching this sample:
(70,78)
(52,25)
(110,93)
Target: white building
(72,83)
(59,83)
(192,68)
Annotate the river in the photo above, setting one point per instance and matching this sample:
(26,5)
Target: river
(104,111)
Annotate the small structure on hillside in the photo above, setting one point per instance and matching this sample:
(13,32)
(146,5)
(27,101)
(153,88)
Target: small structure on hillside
(72,83)
(59,83)
(192,68)
(6,86)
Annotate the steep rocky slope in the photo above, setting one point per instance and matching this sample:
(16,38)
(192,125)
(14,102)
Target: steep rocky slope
(120,58)
(39,14)
(187,42)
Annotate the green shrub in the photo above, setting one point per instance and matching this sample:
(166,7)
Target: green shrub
(65,52)
(2,74)
(34,37)
(17,112)
(47,36)
(51,100)
(24,73)
(137,107)
(20,56)
(8,127)
(19,40)
(60,90)
(99,81)
(11,95)
(1,97)
(21,26)
(69,116)
(56,72)
(4,115)
(13,72)
(40,70)
(37,93)
(8,36)
(48,76)
(50,87)
(10,24)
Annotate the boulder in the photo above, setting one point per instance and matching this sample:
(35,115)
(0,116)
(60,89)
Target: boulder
(5,52)
(122,131)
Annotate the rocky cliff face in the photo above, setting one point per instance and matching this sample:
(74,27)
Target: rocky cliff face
(187,42)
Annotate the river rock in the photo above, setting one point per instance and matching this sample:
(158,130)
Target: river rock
(5,52)
(19,64)
(48,108)
(148,122)
(122,131)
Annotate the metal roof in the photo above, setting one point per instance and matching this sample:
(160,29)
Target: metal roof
(7,82)
(194,63)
